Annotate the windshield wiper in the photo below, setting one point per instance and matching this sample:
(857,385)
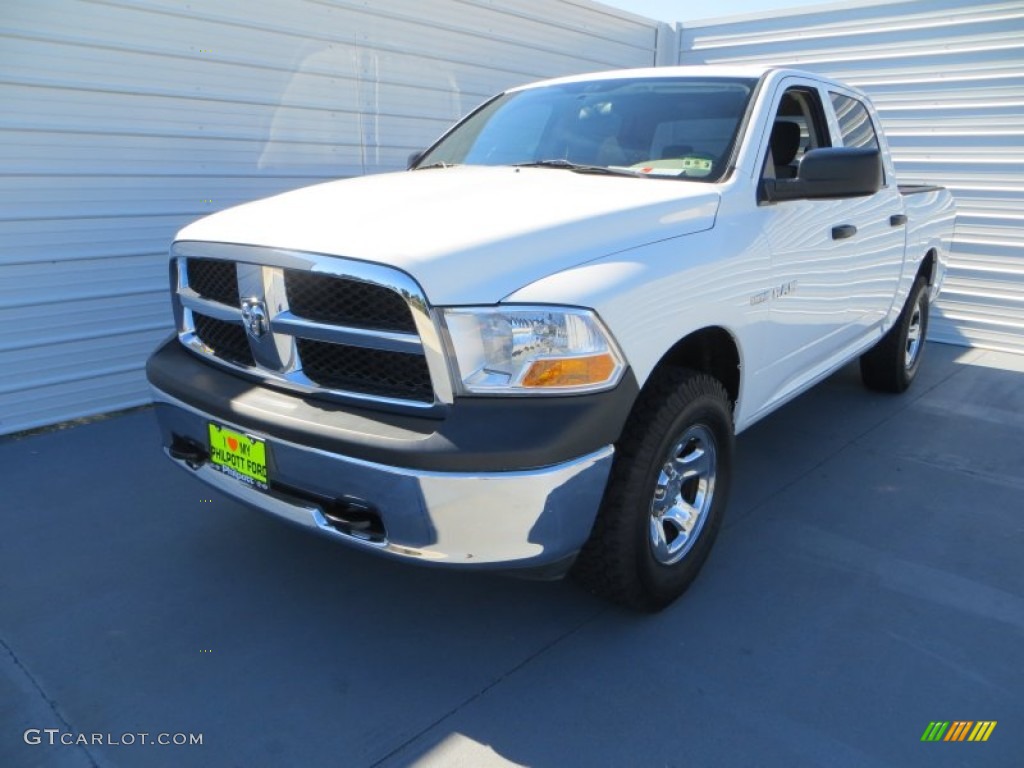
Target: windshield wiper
(577,167)
(439,164)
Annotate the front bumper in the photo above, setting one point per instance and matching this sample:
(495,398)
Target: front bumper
(530,519)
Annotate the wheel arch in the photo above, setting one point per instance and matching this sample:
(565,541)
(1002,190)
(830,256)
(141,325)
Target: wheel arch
(712,350)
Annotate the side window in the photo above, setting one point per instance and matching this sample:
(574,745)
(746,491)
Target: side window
(799,126)
(854,122)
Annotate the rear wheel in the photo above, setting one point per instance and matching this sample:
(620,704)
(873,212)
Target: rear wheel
(665,498)
(892,364)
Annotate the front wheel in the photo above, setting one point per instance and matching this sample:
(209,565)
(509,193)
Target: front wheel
(892,364)
(666,495)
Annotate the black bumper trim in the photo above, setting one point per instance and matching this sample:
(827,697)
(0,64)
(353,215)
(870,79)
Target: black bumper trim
(477,434)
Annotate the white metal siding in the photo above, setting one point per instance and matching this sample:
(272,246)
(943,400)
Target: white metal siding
(122,121)
(947,77)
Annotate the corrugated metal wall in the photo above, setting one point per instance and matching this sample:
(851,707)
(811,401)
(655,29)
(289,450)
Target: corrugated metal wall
(947,77)
(122,121)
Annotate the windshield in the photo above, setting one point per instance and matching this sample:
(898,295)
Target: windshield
(659,126)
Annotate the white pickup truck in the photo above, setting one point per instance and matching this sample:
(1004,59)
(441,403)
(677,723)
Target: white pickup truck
(531,350)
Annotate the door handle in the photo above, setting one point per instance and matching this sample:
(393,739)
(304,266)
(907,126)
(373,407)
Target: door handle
(897,220)
(843,231)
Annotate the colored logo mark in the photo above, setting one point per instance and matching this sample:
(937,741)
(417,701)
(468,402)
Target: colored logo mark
(959,730)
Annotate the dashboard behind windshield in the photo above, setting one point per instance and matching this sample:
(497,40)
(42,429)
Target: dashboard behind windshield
(658,127)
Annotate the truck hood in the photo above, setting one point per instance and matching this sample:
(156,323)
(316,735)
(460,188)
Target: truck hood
(472,234)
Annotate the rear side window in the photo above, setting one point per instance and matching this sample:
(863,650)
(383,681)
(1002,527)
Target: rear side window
(854,122)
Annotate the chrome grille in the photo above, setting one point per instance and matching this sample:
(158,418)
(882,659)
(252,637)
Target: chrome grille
(328,326)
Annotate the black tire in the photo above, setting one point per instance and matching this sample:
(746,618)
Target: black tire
(680,412)
(892,364)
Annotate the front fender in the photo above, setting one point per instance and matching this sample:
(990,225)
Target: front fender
(653,296)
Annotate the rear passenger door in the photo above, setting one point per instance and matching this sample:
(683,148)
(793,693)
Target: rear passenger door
(881,230)
(832,259)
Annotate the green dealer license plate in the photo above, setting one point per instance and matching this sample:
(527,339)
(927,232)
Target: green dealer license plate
(240,456)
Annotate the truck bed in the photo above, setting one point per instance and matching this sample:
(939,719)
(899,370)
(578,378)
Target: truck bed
(917,189)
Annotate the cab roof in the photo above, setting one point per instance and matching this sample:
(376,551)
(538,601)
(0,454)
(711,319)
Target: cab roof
(752,71)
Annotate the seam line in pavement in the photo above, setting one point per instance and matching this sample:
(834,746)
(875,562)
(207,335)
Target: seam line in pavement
(497,681)
(50,703)
(973,474)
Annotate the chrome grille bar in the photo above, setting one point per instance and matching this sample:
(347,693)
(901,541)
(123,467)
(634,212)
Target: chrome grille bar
(387,341)
(192,300)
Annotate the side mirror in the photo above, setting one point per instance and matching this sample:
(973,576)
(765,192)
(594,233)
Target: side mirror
(827,173)
(413,159)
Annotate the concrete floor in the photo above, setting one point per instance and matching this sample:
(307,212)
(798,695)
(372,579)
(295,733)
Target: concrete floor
(869,580)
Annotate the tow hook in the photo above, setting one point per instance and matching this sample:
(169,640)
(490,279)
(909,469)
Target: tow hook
(189,451)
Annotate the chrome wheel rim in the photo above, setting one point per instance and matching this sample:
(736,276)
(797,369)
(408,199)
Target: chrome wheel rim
(914,335)
(683,495)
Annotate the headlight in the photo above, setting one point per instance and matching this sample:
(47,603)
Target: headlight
(532,349)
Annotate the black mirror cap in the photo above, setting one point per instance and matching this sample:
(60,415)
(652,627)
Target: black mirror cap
(830,172)
(858,168)
(414,158)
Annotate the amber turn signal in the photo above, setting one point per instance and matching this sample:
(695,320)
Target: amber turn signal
(570,371)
